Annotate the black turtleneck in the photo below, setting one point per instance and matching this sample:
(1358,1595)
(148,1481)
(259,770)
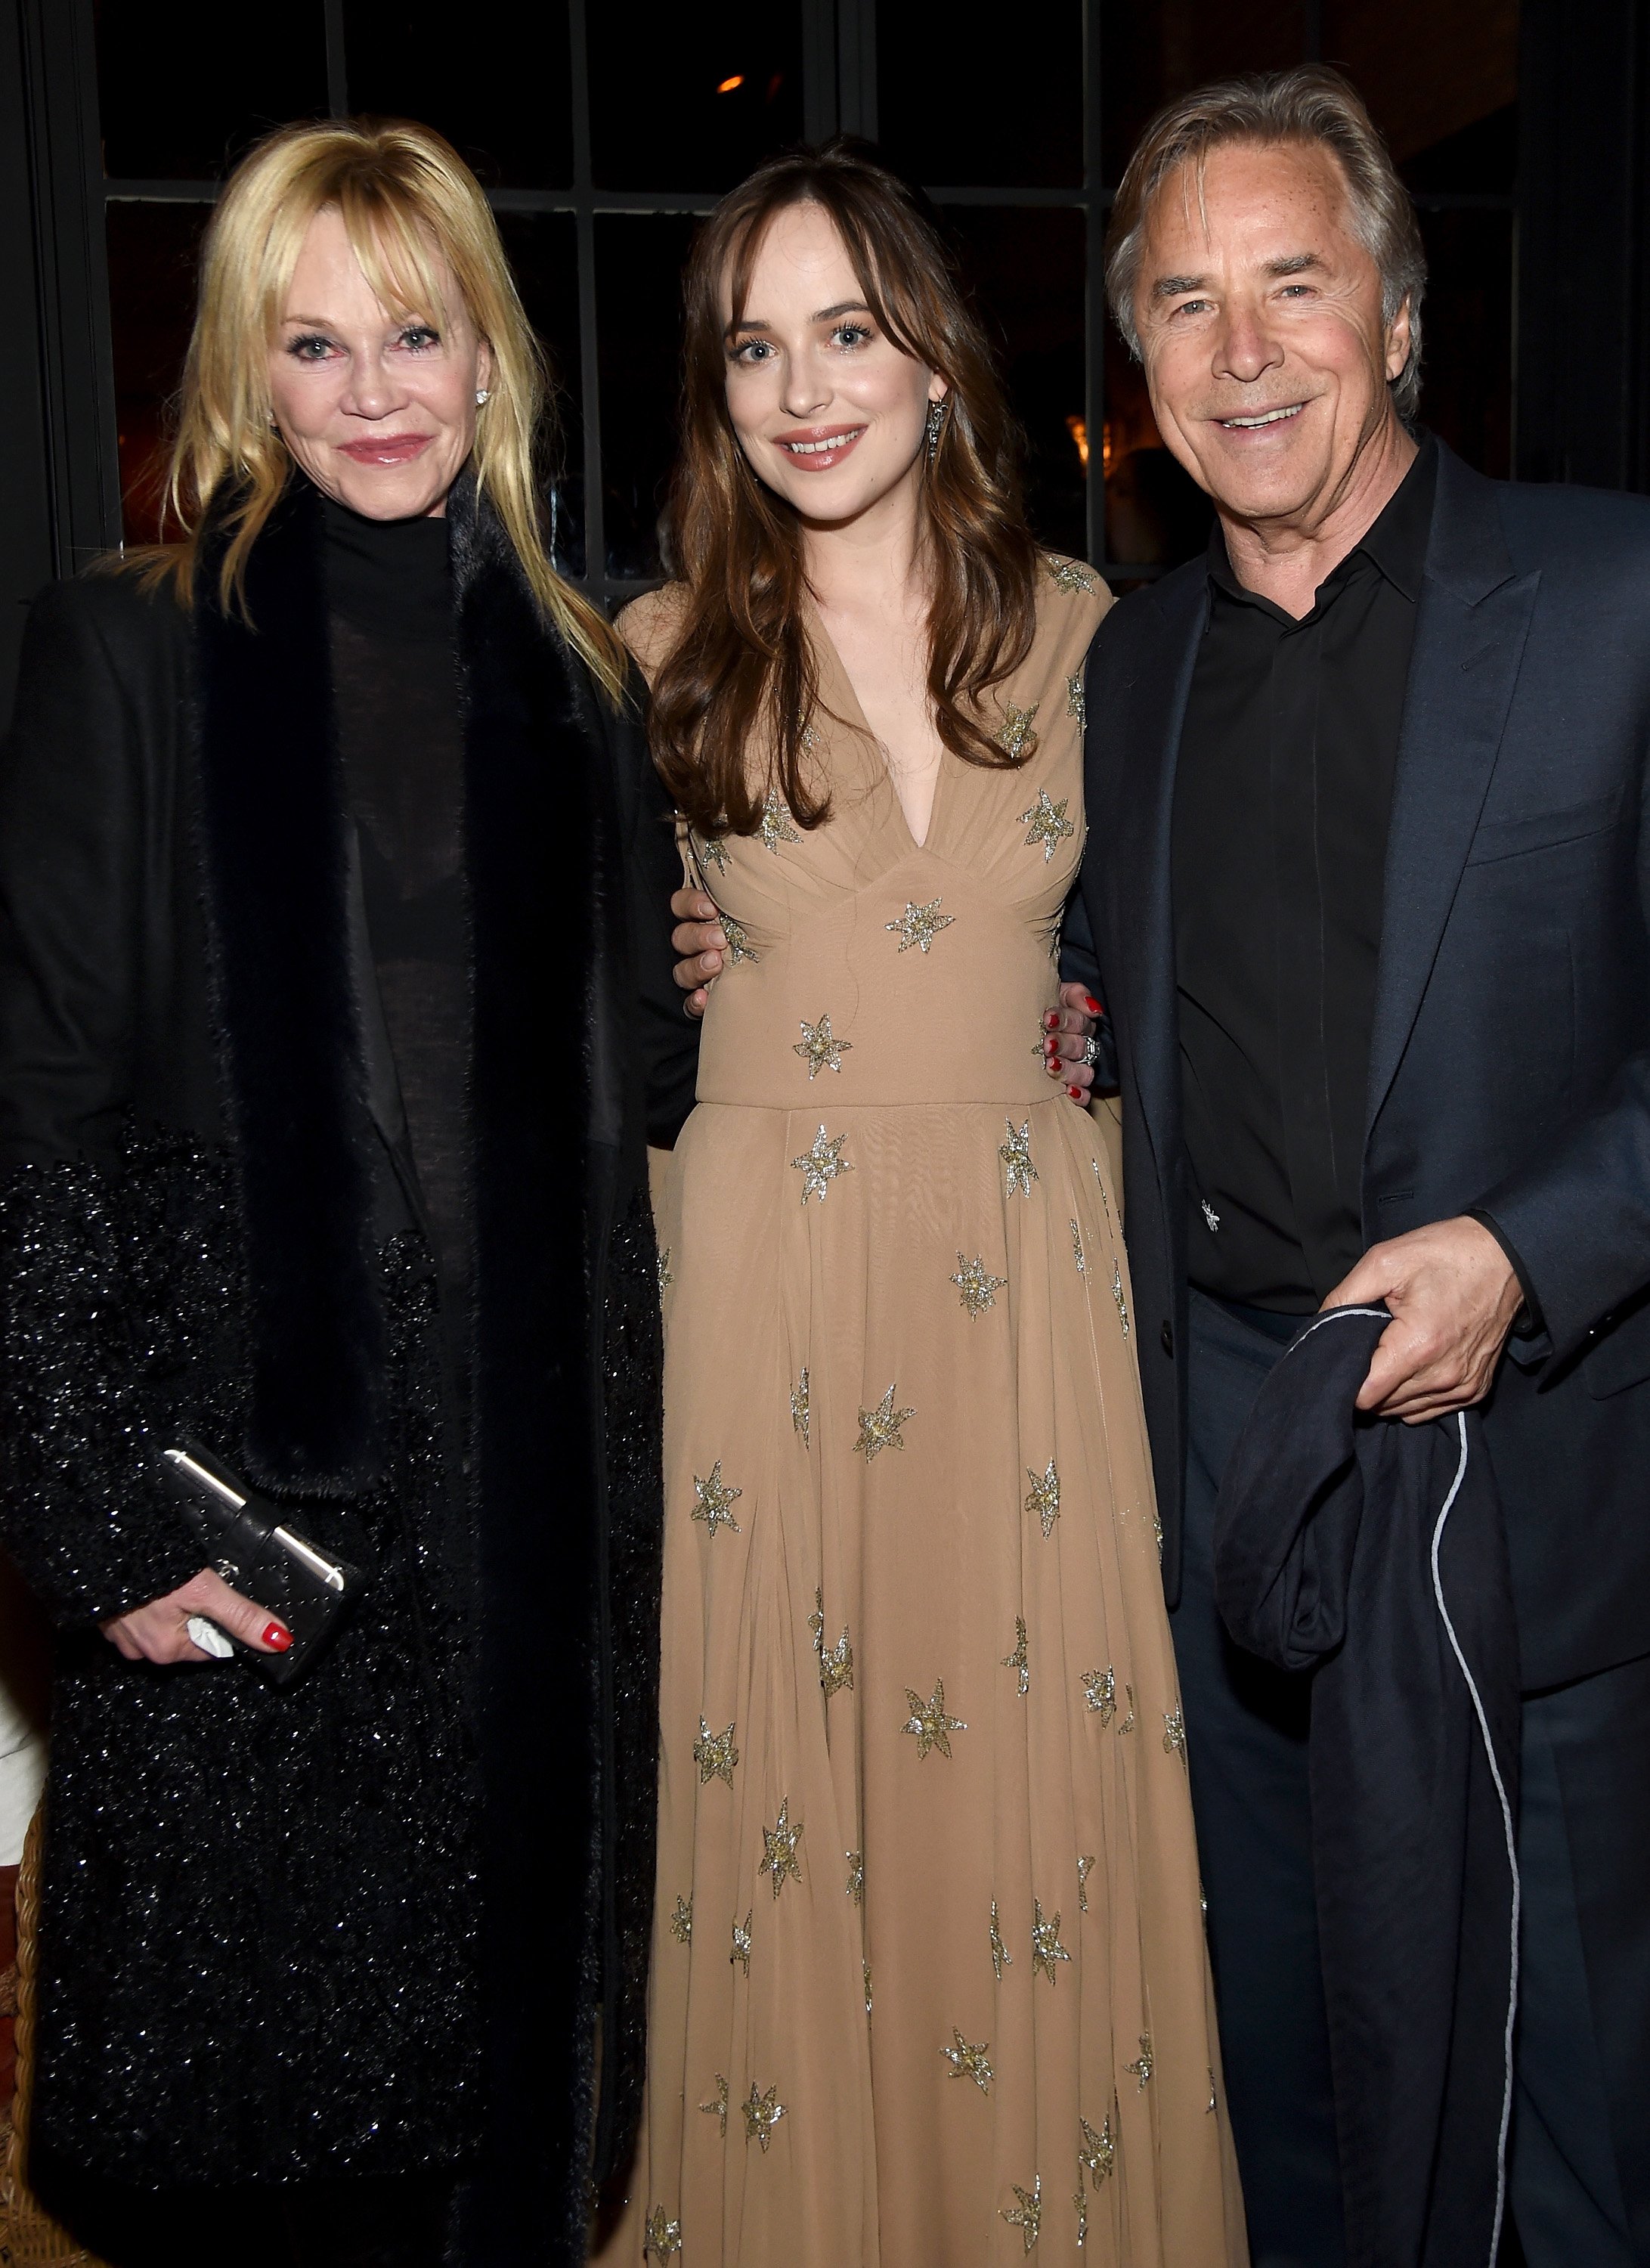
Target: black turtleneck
(395,688)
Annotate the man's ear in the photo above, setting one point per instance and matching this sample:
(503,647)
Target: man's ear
(1398,341)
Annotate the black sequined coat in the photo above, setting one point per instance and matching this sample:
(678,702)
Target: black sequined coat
(375,1923)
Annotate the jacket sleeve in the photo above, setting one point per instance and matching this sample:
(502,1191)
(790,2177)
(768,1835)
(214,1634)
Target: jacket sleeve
(669,1039)
(84,1256)
(1578,1216)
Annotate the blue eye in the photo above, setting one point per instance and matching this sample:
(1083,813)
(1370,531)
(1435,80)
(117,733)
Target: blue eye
(753,350)
(311,348)
(851,335)
(419,336)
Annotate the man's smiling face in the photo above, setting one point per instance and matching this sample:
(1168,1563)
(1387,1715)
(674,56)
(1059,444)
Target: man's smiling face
(1259,317)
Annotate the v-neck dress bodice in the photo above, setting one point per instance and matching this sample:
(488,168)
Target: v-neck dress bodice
(929,1986)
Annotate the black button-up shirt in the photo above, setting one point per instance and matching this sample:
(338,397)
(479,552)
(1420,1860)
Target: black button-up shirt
(1282,800)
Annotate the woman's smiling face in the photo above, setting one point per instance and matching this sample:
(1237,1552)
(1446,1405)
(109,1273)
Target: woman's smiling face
(829,413)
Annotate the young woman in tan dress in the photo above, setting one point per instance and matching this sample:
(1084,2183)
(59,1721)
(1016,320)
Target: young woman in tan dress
(929,1986)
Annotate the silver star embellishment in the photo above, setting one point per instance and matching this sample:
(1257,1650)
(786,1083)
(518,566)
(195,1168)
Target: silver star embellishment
(1048,823)
(1211,2104)
(1140,2068)
(1046,1948)
(715,1755)
(1027,2216)
(864,1971)
(1076,705)
(979,1288)
(1157,1533)
(1097,2154)
(970,2059)
(836,1667)
(929,1722)
(800,1409)
(816,1623)
(1001,1957)
(1044,1499)
(742,1945)
(712,852)
(1085,1868)
(1173,1728)
(1019,1173)
(1211,1215)
(762,2114)
(1099,1690)
(1116,1293)
(716,2107)
(856,1876)
(1020,1658)
(819,1163)
(919,925)
(776,825)
(880,1428)
(1127,1725)
(1071,575)
(663,2237)
(681,1921)
(778,1849)
(820,1050)
(717,1500)
(665,1279)
(1077,1249)
(738,944)
(1018,738)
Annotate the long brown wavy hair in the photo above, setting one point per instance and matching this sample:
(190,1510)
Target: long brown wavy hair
(740,671)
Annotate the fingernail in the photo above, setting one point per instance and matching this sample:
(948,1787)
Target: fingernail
(278,1636)
(1095,1008)
(1051,1022)
(1076,1094)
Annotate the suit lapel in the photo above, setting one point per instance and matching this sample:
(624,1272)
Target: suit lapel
(1472,621)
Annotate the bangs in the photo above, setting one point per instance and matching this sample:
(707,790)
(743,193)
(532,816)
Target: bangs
(391,241)
(871,263)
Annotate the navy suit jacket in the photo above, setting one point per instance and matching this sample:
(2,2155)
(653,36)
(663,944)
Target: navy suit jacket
(1510,1058)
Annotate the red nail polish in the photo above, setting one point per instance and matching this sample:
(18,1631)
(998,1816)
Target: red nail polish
(1052,1022)
(1095,1008)
(1076,1094)
(277,1636)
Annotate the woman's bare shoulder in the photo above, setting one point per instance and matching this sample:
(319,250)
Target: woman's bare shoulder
(650,625)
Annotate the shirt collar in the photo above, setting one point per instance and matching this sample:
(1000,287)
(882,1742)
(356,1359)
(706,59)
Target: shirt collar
(1396,544)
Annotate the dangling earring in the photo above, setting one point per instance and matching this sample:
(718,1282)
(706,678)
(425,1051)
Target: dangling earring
(481,395)
(935,426)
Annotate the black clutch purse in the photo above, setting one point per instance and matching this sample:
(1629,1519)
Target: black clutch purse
(244,1541)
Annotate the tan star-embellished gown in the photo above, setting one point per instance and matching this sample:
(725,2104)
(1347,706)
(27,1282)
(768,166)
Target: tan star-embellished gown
(928,1985)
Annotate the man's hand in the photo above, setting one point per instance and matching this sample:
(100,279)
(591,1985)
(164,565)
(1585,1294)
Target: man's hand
(1066,1032)
(698,938)
(160,1631)
(1453,1297)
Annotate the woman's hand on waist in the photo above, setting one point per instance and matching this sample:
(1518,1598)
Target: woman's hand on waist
(1067,1031)
(161,1630)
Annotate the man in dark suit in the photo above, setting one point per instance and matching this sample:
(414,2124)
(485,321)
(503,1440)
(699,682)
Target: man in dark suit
(1368,879)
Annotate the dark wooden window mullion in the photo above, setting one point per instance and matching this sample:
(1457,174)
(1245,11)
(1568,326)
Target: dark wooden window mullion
(337,71)
(1094,324)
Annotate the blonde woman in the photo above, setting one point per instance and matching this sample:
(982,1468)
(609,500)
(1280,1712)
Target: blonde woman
(303,1155)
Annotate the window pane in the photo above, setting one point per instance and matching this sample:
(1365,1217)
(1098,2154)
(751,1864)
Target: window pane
(1467,348)
(1427,68)
(1152,50)
(1028,269)
(1156,515)
(544,253)
(1481,157)
(638,334)
(1013,118)
(152,254)
(512,119)
(182,97)
(696,96)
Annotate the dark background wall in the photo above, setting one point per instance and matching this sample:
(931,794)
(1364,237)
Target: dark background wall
(1524,136)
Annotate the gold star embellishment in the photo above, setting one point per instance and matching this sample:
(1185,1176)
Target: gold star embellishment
(1116,1293)
(1027,2216)
(819,1163)
(1071,575)
(1157,1533)
(929,1722)
(716,2107)
(742,1945)
(820,1050)
(816,1623)
(1020,1658)
(919,925)
(717,1500)
(856,1876)
(979,1288)
(1076,705)
(1099,1690)
(1019,1173)
(1140,2069)
(1001,1957)
(663,2237)
(665,1279)
(762,2114)
(800,1409)
(864,1971)
(776,825)
(1097,2153)
(1077,1249)
(1085,1868)
(738,944)
(1046,1948)
(1127,1725)
(715,1755)
(836,1667)
(1079,2202)
(778,1849)
(1018,738)
(1048,823)
(681,1921)
(1044,1499)
(1174,1732)
(970,2059)
(712,852)
(880,1428)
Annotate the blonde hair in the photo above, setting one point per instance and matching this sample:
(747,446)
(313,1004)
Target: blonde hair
(1313,106)
(409,204)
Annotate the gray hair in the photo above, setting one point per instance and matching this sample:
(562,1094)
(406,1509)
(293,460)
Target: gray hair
(1312,105)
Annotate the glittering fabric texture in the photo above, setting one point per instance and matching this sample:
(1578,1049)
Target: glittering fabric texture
(314,1839)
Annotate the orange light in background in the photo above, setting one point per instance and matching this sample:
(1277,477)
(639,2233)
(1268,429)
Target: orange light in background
(1106,449)
(728,84)
(1078,428)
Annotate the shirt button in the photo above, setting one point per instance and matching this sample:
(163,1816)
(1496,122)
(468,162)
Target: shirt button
(1167,1337)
